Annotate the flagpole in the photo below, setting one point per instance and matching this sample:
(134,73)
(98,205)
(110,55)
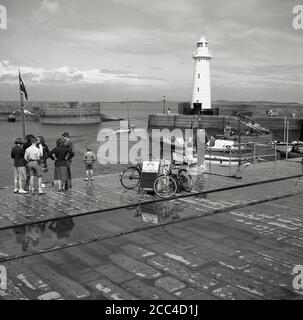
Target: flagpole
(23,114)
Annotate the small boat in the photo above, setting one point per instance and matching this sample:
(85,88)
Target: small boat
(125,126)
(223,161)
(213,160)
(130,129)
(106,118)
(298,146)
(11,118)
(283,147)
(290,155)
(119,131)
(224,146)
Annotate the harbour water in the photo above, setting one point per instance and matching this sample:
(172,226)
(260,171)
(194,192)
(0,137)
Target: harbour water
(82,135)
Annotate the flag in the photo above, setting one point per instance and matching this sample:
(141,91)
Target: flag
(22,86)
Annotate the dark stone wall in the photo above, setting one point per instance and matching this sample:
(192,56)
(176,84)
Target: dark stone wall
(55,112)
(35,106)
(253,109)
(215,124)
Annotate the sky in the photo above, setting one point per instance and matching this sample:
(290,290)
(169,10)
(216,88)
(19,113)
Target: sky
(112,50)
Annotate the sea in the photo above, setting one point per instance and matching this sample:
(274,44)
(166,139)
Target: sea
(82,135)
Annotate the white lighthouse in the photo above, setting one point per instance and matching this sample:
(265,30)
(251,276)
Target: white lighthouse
(201,84)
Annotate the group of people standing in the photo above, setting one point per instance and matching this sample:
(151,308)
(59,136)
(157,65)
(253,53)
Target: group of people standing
(30,163)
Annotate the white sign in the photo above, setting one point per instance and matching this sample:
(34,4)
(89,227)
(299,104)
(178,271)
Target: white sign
(151,166)
(3,278)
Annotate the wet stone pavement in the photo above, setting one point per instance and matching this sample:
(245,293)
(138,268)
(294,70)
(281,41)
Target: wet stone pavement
(233,244)
(107,193)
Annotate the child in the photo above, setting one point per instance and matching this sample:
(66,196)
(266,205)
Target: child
(89,159)
(17,154)
(33,157)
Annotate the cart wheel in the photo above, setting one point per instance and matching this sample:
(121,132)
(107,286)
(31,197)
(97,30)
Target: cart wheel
(165,186)
(130,178)
(185,180)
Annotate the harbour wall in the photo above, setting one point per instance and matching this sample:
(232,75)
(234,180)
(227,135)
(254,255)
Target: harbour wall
(55,112)
(215,124)
(259,109)
(69,116)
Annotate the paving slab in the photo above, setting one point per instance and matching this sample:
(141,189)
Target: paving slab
(146,291)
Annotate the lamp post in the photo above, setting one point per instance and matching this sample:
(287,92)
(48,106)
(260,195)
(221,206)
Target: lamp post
(164,105)
(238,173)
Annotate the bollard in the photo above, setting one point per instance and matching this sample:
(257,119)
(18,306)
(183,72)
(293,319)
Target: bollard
(275,154)
(229,160)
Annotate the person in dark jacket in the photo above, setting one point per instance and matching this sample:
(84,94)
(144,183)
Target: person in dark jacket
(17,154)
(45,152)
(61,155)
(69,145)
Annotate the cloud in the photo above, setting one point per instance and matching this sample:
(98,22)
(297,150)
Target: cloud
(50,6)
(177,8)
(46,9)
(152,41)
(251,77)
(72,76)
(108,71)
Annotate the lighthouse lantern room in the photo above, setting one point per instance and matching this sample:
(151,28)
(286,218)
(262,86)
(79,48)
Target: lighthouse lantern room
(201,84)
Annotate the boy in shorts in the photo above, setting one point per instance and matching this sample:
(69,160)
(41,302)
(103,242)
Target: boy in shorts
(17,154)
(33,157)
(89,160)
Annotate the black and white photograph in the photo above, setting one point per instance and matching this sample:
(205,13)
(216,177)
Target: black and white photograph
(151,152)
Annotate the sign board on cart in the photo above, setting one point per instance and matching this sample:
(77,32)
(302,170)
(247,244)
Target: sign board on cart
(150,170)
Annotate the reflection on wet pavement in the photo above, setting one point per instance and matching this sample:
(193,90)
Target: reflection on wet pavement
(245,253)
(72,231)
